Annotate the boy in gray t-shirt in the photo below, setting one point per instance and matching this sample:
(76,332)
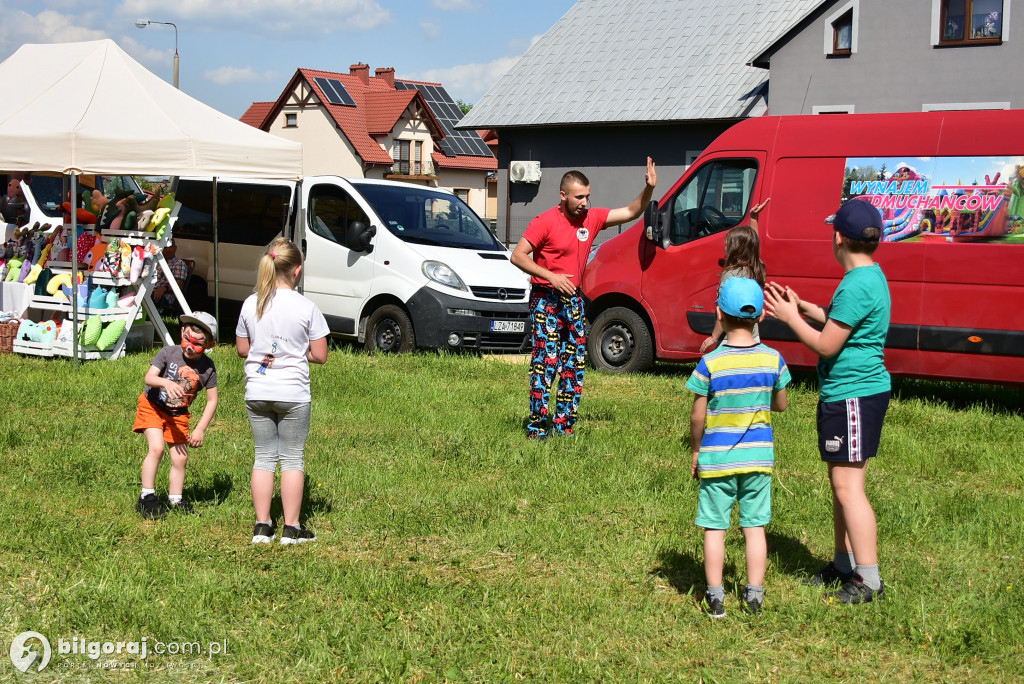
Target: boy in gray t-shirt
(175,377)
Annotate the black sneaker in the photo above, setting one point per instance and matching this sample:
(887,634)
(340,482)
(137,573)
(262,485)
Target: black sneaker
(263,533)
(183,507)
(714,607)
(828,576)
(855,591)
(753,606)
(296,535)
(151,507)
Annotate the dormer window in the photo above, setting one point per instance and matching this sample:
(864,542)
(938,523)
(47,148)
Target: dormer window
(842,34)
(971,22)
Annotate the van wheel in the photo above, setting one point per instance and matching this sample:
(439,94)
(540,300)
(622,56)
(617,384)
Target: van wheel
(620,342)
(389,331)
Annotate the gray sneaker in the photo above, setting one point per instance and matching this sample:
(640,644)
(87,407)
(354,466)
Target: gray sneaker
(296,535)
(714,607)
(855,591)
(828,576)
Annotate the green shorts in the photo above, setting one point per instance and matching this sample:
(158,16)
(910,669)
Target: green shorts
(753,491)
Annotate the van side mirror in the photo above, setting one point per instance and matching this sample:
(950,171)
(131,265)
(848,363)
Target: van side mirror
(359,236)
(654,225)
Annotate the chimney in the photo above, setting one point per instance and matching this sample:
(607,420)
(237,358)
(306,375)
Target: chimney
(362,71)
(387,74)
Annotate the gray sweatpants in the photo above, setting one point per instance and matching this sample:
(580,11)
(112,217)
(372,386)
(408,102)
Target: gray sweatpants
(279,429)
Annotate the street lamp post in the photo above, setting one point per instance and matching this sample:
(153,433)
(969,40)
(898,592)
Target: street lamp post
(143,23)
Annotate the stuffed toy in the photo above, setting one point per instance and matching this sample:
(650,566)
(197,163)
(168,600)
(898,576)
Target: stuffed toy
(44,332)
(57,282)
(111,334)
(91,331)
(138,261)
(127,301)
(159,222)
(153,202)
(33,274)
(26,268)
(61,250)
(145,216)
(92,259)
(166,202)
(86,241)
(14,270)
(111,298)
(84,215)
(114,260)
(98,298)
(107,216)
(42,281)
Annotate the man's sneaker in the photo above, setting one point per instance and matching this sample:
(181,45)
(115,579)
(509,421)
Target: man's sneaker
(263,533)
(714,607)
(828,576)
(296,535)
(151,507)
(855,591)
(753,606)
(183,507)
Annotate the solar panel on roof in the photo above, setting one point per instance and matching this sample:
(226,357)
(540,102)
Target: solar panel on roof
(448,114)
(334,91)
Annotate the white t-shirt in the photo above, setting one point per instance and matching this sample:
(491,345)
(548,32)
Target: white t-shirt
(276,368)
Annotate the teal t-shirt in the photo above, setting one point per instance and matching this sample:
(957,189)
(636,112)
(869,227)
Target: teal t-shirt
(862,302)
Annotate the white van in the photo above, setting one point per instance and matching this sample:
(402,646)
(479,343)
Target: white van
(392,265)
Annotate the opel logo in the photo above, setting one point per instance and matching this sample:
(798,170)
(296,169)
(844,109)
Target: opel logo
(502,294)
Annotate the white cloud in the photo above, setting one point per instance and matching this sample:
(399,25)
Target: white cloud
(18,27)
(266,18)
(457,5)
(468,81)
(431,29)
(228,75)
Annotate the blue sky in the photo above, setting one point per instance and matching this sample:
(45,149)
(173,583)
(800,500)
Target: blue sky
(235,52)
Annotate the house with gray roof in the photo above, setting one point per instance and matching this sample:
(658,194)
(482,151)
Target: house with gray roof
(614,81)
(864,56)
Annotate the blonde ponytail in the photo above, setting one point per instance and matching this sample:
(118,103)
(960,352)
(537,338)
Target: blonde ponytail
(278,262)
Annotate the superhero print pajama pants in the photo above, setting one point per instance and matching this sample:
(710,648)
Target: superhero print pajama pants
(559,354)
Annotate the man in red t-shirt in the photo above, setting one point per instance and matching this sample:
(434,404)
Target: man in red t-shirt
(554,251)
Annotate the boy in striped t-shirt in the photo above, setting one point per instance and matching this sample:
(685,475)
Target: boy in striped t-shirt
(737,385)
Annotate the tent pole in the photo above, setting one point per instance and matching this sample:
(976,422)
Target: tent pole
(74,269)
(216,259)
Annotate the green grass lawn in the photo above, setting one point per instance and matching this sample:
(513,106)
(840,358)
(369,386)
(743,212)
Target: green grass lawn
(453,549)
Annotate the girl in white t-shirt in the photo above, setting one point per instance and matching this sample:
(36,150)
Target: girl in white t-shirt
(279,333)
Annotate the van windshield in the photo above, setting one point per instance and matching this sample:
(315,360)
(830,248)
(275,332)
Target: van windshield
(420,215)
(51,190)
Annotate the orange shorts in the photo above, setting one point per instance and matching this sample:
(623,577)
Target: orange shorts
(149,416)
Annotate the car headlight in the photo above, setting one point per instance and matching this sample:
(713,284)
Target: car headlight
(442,273)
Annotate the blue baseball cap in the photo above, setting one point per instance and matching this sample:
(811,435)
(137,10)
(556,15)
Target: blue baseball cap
(741,297)
(854,217)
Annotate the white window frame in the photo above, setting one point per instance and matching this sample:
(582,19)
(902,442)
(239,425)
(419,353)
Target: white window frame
(937,19)
(834,17)
(832,109)
(962,106)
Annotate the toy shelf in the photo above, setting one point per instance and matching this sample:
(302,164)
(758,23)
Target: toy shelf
(143,289)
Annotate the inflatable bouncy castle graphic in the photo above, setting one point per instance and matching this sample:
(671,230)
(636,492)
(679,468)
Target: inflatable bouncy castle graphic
(915,206)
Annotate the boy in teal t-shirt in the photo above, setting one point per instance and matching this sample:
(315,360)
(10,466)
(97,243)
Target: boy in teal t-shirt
(855,390)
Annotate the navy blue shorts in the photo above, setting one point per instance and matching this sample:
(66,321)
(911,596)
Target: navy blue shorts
(849,430)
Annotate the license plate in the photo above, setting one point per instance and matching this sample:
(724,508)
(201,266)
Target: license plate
(508,326)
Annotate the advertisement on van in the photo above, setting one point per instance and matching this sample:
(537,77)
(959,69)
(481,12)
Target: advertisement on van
(942,199)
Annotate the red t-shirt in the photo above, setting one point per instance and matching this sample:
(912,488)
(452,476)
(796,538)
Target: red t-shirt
(563,246)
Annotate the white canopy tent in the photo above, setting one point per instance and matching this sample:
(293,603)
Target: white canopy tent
(90,108)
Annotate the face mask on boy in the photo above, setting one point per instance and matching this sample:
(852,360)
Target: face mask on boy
(192,342)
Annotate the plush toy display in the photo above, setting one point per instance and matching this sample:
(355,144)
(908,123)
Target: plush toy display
(98,298)
(158,224)
(14,270)
(145,216)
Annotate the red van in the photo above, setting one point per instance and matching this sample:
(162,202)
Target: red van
(949,187)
